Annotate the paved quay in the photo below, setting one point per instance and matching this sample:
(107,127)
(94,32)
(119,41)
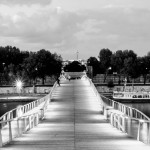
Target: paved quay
(73,122)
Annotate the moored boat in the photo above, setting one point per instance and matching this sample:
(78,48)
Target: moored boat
(131,96)
(118,95)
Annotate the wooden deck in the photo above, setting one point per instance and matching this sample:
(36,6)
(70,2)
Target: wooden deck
(73,122)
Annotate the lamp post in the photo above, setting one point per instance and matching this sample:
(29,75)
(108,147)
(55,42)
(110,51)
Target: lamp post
(107,70)
(125,83)
(35,80)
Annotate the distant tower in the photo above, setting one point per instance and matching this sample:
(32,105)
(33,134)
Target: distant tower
(77,54)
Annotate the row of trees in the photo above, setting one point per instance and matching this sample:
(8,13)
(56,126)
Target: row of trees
(28,65)
(122,62)
(74,66)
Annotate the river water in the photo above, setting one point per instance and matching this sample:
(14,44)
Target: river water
(4,107)
(143,107)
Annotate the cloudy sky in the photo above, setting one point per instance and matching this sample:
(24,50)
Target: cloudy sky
(68,26)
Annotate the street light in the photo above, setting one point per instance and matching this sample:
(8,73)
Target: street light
(19,84)
(125,83)
(106,73)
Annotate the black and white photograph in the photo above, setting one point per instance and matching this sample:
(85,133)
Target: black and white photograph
(74,74)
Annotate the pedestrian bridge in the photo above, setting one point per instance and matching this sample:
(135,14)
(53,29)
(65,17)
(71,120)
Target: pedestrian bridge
(74,117)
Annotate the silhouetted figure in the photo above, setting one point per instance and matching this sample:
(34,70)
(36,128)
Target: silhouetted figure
(58,81)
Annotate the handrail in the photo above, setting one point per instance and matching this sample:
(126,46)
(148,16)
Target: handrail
(20,114)
(17,112)
(134,127)
(127,119)
(129,111)
(95,91)
(16,128)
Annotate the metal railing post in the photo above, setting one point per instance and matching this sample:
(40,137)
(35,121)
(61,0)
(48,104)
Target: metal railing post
(1,141)
(10,131)
(30,126)
(148,133)
(37,118)
(124,123)
(138,133)
(25,122)
(111,118)
(18,127)
(129,126)
(42,113)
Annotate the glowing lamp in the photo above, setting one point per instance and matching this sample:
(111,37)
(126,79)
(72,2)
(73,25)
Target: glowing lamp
(19,84)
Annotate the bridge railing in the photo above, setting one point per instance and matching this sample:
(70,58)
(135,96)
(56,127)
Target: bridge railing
(127,119)
(126,110)
(17,121)
(136,128)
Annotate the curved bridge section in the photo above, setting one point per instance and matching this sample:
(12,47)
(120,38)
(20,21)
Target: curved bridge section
(73,120)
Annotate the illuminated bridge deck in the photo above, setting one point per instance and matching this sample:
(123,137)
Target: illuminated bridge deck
(73,122)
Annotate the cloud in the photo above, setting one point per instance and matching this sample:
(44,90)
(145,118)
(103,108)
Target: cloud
(110,27)
(50,27)
(25,2)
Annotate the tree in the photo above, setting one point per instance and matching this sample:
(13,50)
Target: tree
(30,67)
(75,66)
(105,61)
(144,63)
(117,62)
(92,61)
(133,70)
(48,64)
(105,58)
(129,62)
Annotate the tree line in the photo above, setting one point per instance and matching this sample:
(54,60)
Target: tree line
(28,65)
(121,62)
(74,66)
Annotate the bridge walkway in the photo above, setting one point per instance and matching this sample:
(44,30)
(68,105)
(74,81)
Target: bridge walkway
(73,122)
